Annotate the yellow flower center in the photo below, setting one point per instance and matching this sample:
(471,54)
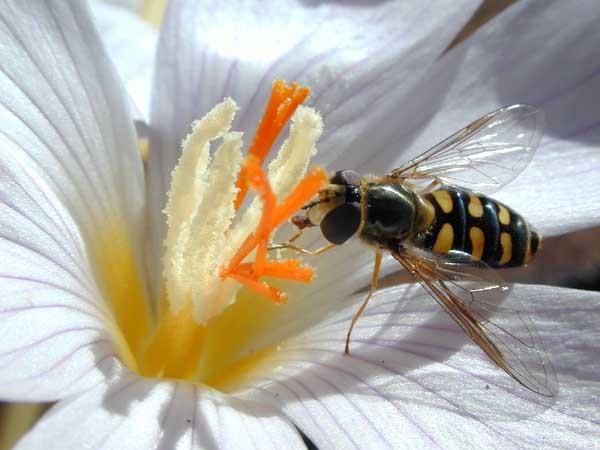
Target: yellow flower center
(215,303)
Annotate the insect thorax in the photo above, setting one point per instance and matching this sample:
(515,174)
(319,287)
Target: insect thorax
(389,212)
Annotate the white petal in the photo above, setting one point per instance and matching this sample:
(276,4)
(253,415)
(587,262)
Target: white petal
(131,45)
(53,323)
(348,54)
(528,54)
(415,381)
(69,167)
(133,5)
(62,107)
(136,413)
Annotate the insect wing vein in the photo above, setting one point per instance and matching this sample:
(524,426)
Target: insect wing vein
(469,293)
(484,156)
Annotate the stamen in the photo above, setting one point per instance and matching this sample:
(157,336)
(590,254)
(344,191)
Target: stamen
(282,104)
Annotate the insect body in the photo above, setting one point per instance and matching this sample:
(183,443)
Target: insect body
(386,214)
(434,217)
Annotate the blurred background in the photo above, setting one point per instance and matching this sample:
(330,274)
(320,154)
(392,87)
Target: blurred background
(571,260)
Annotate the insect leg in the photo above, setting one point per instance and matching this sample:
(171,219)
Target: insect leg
(304,251)
(431,186)
(290,246)
(288,242)
(374,281)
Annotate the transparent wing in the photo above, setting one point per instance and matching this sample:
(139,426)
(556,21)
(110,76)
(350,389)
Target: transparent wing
(488,311)
(485,155)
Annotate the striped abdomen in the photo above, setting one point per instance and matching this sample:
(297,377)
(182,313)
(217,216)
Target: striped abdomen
(479,226)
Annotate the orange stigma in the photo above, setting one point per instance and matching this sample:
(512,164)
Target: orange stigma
(282,104)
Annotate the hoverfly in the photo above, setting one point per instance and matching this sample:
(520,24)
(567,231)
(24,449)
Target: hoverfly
(434,217)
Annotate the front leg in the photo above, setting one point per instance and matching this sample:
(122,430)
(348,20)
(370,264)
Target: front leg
(289,246)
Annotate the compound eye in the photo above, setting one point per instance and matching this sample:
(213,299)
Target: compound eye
(341,223)
(346,177)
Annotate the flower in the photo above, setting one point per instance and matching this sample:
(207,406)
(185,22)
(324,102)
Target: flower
(74,241)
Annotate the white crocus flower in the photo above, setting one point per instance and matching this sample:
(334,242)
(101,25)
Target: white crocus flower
(81,264)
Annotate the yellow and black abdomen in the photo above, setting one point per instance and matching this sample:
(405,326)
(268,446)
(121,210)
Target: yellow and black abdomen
(479,226)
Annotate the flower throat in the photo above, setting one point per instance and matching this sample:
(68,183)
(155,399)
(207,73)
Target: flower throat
(204,322)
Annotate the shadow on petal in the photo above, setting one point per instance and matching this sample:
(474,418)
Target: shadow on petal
(405,351)
(358,3)
(556,71)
